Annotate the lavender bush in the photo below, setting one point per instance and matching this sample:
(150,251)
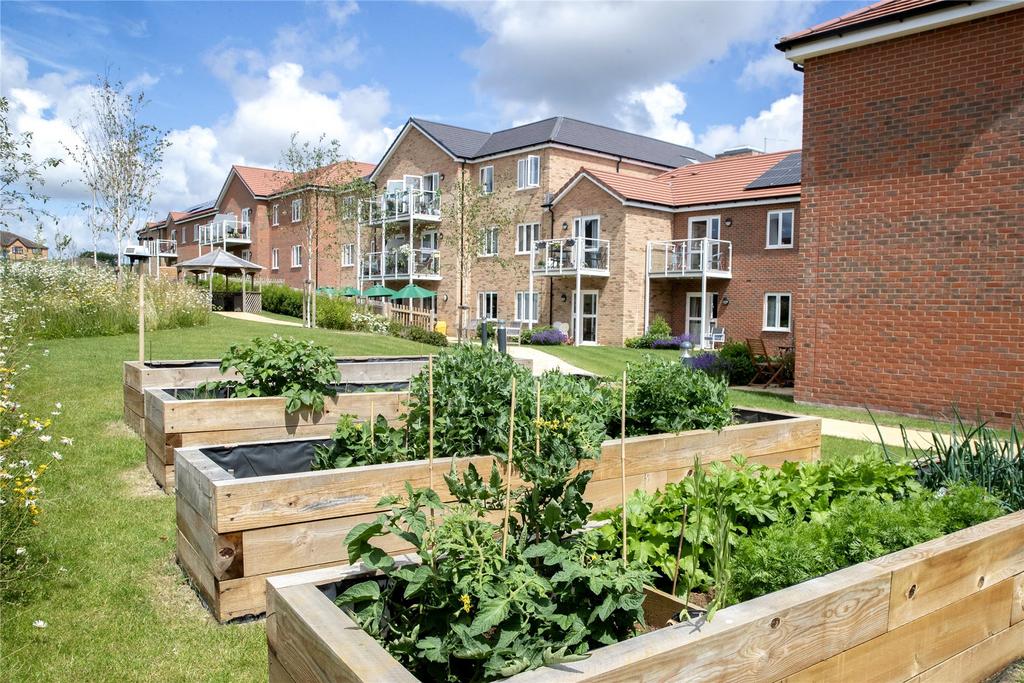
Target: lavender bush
(709,363)
(548,338)
(672,342)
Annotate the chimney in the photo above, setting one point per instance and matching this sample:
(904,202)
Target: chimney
(738,152)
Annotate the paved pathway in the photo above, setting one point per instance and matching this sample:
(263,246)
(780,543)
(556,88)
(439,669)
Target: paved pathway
(542,362)
(255,318)
(862,431)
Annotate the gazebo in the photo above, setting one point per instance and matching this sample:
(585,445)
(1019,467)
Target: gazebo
(220,261)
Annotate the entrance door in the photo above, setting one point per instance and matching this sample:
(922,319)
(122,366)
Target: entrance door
(588,229)
(700,227)
(588,322)
(693,316)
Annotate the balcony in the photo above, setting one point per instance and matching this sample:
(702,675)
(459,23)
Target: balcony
(689,258)
(401,205)
(569,256)
(224,233)
(148,248)
(401,264)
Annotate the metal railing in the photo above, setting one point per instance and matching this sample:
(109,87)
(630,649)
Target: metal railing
(690,257)
(224,232)
(396,264)
(399,204)
(160,247)
(570,254)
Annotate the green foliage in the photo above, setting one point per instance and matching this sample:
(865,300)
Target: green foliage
(974,454)
(334,313)
(665,396)
(658,329)
(301,371)
(858,529)
(471,612)
(524,336)
(418,334)
(735,357)
(282,299)
(358,443)
(748,497)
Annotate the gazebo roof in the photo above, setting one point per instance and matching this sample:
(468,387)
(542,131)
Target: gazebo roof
(218,260)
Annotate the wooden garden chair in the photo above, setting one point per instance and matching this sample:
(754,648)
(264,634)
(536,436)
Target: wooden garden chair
(763,363)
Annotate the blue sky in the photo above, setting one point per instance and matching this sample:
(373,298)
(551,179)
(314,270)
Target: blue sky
(231,81)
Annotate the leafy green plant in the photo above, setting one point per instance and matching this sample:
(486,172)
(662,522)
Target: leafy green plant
(735,357)
(859,528)
(659,329)
(301,371)
(481,604)
(418,334)
(666,396)
(972,454)
(360,443)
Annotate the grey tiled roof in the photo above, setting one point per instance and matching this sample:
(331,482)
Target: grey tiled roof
(8,238)
(473,144)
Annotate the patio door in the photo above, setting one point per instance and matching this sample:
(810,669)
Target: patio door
(588,319)
(700,227)
(588,228)
(693,316)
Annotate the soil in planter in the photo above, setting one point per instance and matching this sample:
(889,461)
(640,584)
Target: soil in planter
(743,417)
(263,459)
(189,393)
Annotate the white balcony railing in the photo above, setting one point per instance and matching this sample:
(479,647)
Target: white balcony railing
(690,258)
(400,205)
(401,263)
(568,255)
(225,232)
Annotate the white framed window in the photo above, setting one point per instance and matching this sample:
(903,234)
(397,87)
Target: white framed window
(780,229)
(246,216)
(486,180)
(195,232)
(526,235)
(347,254)
(174,236)
(487,306)
(297,256)
(428,240)
(296,210)
(275,259)
(275,215)
(777,311)
(528,172)
(489,242)
(247,254)
(523,311)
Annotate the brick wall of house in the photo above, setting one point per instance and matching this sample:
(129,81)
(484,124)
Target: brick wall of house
(756,271)
(913,223)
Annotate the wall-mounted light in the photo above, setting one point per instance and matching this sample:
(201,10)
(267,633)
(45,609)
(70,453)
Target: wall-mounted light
(725,301)
(444,298)
(564,298)
(441,176)
(565,226)
(728,222)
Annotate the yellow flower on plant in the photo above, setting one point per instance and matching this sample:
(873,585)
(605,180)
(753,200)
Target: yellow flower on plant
(466,603)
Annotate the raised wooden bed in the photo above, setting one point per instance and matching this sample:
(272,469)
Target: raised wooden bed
(951,609)
(172,422)
(235,531)
(165,374)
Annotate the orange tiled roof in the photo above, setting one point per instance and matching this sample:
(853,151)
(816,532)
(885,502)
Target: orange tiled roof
(709,182)
(879,12)
(264,182)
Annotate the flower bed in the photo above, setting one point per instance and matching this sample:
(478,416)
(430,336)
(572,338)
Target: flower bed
(948,609)
(236,528)
(142,375)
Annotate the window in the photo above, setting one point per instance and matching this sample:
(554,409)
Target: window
(276,219)
(275,259)
(522,310)
(489,242)
(428,240)
(296,210)
(487,180)
(195,232)
(297,256)
(246,217)
(174,236)
(528,172)
(347,253)
(780,229)
(776,312)
(526,235)
(247,254)
(487,306)
(18,250)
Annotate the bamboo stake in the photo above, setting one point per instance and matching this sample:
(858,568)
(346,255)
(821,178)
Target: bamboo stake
(142,315)
(430,442)
(372,420)
(622,460)
(536,423)
(679,550)
(508,469)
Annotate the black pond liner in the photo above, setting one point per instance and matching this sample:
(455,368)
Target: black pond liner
(189,393)
(216,363)
(745,417)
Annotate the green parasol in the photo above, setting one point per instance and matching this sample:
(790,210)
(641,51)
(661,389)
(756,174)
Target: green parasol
(379,290)
(411,291)
(351,291)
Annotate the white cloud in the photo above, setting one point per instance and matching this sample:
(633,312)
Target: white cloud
(580,58)
(657,112)
(770,70)
(780,126)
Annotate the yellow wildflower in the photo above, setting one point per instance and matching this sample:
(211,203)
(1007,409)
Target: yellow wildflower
(466,603)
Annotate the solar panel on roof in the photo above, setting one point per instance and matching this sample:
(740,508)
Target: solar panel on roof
(208,204)
(786,172)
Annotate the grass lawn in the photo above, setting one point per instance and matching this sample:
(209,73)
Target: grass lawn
(610,361)
(116,604)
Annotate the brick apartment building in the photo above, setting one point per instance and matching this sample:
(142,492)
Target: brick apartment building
(17,248)
(261,216)
(912,233)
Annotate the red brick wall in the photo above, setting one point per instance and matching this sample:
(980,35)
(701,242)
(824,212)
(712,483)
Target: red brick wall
(756,270)
(913,223)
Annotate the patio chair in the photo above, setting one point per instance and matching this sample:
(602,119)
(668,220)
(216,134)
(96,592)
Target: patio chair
(715,336)
(763,363)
